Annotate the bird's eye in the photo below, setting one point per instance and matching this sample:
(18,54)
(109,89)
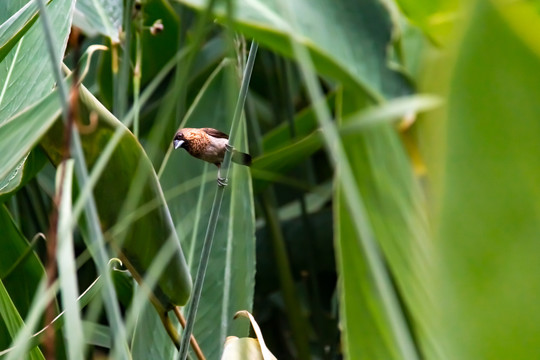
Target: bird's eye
(178,137)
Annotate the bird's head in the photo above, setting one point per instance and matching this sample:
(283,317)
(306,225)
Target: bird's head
(180,140)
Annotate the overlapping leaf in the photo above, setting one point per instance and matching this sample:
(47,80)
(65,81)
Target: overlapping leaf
(355,52)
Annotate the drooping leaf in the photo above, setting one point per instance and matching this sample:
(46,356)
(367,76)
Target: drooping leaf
(139,229)
(247,348)
(241,348)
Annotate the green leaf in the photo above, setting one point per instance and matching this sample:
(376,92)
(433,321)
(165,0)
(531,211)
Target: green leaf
(365,331)
(305,122)
(99,16)
(20,274)
(367,25)
(13,320)
(435,17)
(124,284)
(282,152)
(229,282)
(150,341)
(34,123)
(396,213)
(84,299)
(279,160)
(314,201)
(16,26)
(22,132)
(25,111)
(488,170)
(25,170)
(97,334)
(26,73)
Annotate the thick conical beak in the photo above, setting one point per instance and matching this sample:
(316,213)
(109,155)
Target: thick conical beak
(177,143)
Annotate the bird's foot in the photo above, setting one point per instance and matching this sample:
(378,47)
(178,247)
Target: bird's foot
(221,182)
(229,147)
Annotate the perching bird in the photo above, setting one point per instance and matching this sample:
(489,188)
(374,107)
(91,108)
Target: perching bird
(209,145)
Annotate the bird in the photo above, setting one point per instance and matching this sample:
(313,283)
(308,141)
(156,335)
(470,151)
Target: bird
(210,145)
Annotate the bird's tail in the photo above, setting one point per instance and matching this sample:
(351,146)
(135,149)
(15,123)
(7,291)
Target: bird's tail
(241,158)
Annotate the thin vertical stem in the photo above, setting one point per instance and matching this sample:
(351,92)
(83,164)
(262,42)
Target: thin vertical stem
(122,80)
(216,207)
(137,74)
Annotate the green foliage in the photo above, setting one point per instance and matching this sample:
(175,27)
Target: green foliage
(234,245)
(339,239)
(487,218)
(367,25)
(14,28)
(17,261)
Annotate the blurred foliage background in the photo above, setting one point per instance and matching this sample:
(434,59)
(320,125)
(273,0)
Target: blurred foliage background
(390,212)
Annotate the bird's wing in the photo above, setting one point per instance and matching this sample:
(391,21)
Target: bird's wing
(215,133)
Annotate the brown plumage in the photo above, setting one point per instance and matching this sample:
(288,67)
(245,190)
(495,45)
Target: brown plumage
(209,145)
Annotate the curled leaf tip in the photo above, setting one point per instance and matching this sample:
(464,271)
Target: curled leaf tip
(242,313)
(114,262)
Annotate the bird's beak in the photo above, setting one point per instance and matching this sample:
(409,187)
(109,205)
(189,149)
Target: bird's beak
(177,143)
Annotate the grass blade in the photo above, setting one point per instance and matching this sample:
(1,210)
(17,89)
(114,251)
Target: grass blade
(67,270)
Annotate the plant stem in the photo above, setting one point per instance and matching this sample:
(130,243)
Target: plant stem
(122,80)
(137,74)
(216,207)
(194,344)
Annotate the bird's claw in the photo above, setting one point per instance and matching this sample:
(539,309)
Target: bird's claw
(229,147)
(221,182)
